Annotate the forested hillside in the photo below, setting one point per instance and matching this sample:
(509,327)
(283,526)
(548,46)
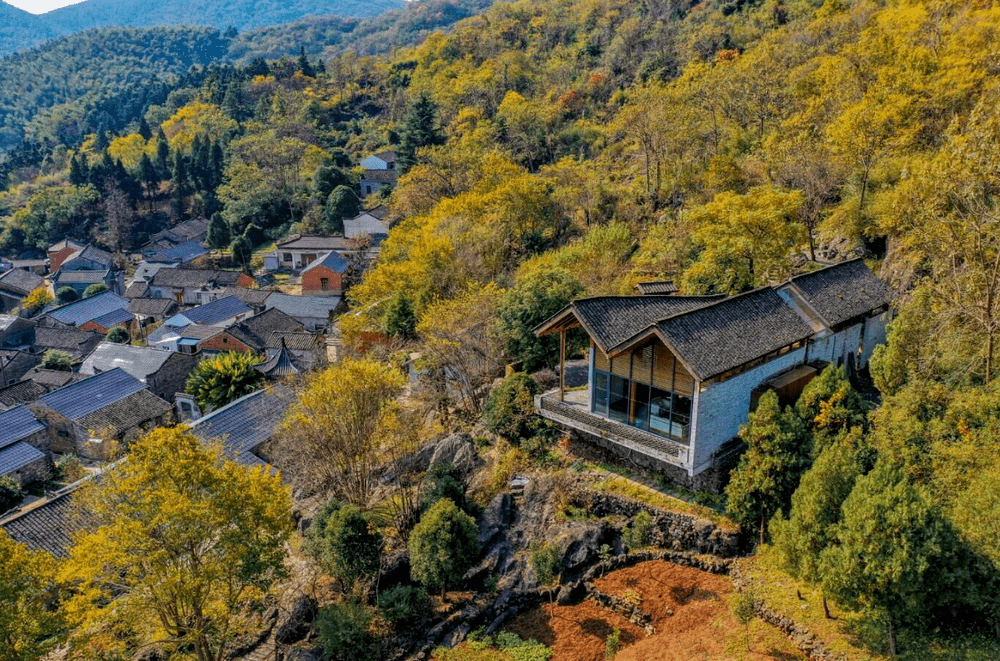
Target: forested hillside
(20,30)
(556,148)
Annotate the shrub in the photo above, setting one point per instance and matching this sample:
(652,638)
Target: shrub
(56,360)
(636,535)
(443,545)
(69,468)
(403,604)
(10,493)
(346,545)
(118,335)
(36,300)
(343,631)
(520,649)
(510,408)
(67,295)
(221,379)
(442,481)
(612,643)
(95,289)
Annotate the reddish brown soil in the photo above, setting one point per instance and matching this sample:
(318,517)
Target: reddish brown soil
(701,627)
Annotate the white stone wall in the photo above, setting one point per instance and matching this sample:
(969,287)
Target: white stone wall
(723,407)
(875,334)
(836,347)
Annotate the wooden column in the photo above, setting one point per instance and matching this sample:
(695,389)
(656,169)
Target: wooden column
(562,365)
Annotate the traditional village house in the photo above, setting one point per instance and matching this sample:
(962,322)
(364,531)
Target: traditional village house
(24,446)
(98,313)
(77,343)
(325,276)
(164,372)
(383,160)
(372,181)
(308,350)
(251,334)
(313,312)
(247,426)
(80,281)
(15,331)
(299,251)
(14,364)
(195,286)
(15,285)
(672,378)
(58,252)
(39,267)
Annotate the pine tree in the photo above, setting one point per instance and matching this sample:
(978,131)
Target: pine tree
(162,155)
(304,66)
(150,177)
(144,129)
(420,130)
(218,232)
(242,251)
(76,174)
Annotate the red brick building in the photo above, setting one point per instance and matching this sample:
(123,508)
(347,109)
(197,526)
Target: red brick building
(324,277)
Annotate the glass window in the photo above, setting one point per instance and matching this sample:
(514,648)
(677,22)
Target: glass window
(640,405)
(659,411)
(600,393)
(618,399)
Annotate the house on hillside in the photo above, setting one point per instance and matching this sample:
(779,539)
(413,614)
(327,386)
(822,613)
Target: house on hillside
(222,312)
(90,415)
(308,350)
(299,251)
(151,310)
(14,364)
(672,378)
(58,252)
(15,331)
(372,181)
(15,285)
(313,312)
(49,525)
(24,391)
(79,281)
(98,313)
(163,372)
(183,339)
(325,276)
(87,258)
(77,343)
(383,160)
(369,224)
(194,230)
(39,267)
(195,286)
(252,333)
(247,426)
(24,446)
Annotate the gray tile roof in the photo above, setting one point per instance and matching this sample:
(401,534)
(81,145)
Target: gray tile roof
(21,280)
(92,254)
(216,311)
(137,290)
(65,277)
(317,243)
(304,307)
(381,176)
(126,413)
(734,331)
(611,320)
(365,223)
(332,260)
(843,291)
(80,399)
(24,391)
(146,270)
(75,342)
(279,364)
(152,307)
(252,297)
(247,423)
(181,277)
(255,330)
(89,309)
(182,252)
(49,527)
(114,318)
(140,362)
(294,341)
(657,287)
(18,424)
(17,456)
(51,379)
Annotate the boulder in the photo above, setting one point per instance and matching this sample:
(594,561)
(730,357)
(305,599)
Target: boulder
(495,519)
(295,626)
(459,450)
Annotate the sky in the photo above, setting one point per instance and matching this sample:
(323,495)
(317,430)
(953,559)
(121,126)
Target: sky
(40,6)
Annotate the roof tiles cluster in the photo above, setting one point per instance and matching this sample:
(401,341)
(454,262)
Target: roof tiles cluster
(843,291)
(80,399)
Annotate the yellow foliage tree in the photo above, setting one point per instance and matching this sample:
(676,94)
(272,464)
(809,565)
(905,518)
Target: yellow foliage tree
(27,590)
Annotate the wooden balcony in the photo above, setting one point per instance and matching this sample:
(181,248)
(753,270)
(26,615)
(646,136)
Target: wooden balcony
(574,412)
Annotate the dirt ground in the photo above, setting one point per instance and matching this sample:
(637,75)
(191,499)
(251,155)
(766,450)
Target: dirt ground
(701,626)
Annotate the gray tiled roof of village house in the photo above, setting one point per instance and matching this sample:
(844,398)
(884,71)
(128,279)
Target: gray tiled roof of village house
(311,242)
(302,307)
(80,399)
(126,413)
(611,320)
(365,223)
(279,364)
(24,391)
(145,270)
(733,331)
(7,320)
(381,211)
(30,263)
(80,277)
(49,527)
(252,297)
(185,231)
(152,307)
(18,424)
(74,341)
(843,291)
(140,362)
(255,330)
(216,311)
(66,243)
(89,309)
(93,254)
(658,287)
(17,456)
(380,176)
(296,341)
(52,379)
(21,280)
(389,155)
(136,290)
(182,277)
(114,318)
(332,260)
(247,423)
(182,252)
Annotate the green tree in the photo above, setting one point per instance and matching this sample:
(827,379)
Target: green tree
(442,481)
(400,320)
(327,178)
(305,67)
(443,546)
(344,631)
(95,289)
(221,379)
(830,406)
(510,408)
(148,175)
(889,539)
(533,300)
(184,544)
(420,129)
(811,524)
(546,562)
(11,493)
(218,232)
(54,359)
(242,251)
(343,202)
(769,470)
(66,295)
(118,335)
(28,623)
(346,544)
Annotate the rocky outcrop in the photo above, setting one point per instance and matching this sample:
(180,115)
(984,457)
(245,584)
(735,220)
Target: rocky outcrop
(295,625)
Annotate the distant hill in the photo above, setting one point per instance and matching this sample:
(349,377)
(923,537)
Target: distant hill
(19,29)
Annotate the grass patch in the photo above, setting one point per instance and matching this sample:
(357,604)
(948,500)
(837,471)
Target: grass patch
(856,635)
(629,489)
